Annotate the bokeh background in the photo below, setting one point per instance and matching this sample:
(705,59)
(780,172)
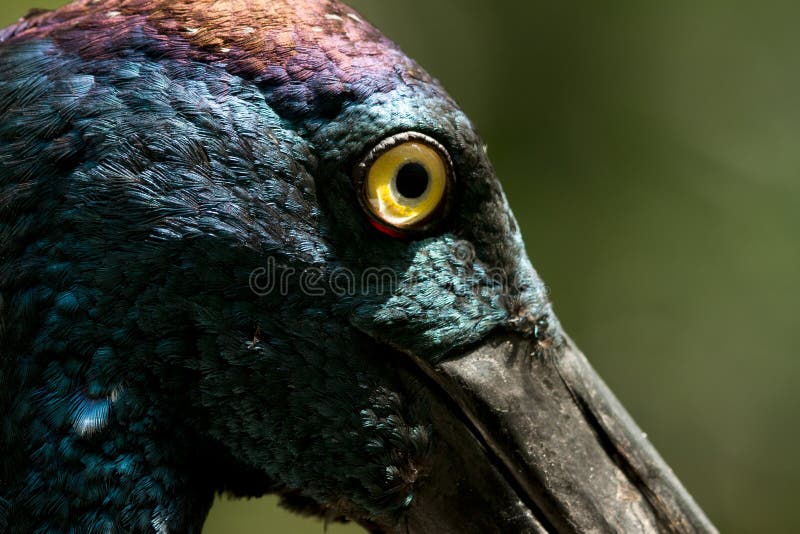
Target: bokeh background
(652,154)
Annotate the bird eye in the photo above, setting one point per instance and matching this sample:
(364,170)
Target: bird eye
(406,182)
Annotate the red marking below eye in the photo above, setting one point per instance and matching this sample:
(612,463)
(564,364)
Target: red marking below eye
(391,232)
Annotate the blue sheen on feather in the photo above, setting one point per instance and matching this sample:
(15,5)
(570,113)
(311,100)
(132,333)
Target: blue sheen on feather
(138,193)
(90,415)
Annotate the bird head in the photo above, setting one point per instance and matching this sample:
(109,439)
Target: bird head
(250,246)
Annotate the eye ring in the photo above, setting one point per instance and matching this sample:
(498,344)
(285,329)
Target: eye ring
(405,184)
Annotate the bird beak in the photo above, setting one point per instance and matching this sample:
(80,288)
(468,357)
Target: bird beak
(534,441)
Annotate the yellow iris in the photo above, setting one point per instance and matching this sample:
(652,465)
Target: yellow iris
(406,184)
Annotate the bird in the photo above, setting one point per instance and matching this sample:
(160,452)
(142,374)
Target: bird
(250,247)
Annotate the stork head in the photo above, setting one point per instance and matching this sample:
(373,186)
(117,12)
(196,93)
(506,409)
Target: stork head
(278,246)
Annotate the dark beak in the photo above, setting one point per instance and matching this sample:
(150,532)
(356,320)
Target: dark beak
(533,441)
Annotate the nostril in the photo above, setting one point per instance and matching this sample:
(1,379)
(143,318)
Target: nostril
(541,327)
(538,327)
(529,323)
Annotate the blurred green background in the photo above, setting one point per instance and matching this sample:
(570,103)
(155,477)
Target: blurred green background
(652,154)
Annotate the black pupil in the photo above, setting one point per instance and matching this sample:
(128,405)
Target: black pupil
(412,180)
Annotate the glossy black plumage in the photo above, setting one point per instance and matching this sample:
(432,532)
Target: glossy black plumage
(158,160)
